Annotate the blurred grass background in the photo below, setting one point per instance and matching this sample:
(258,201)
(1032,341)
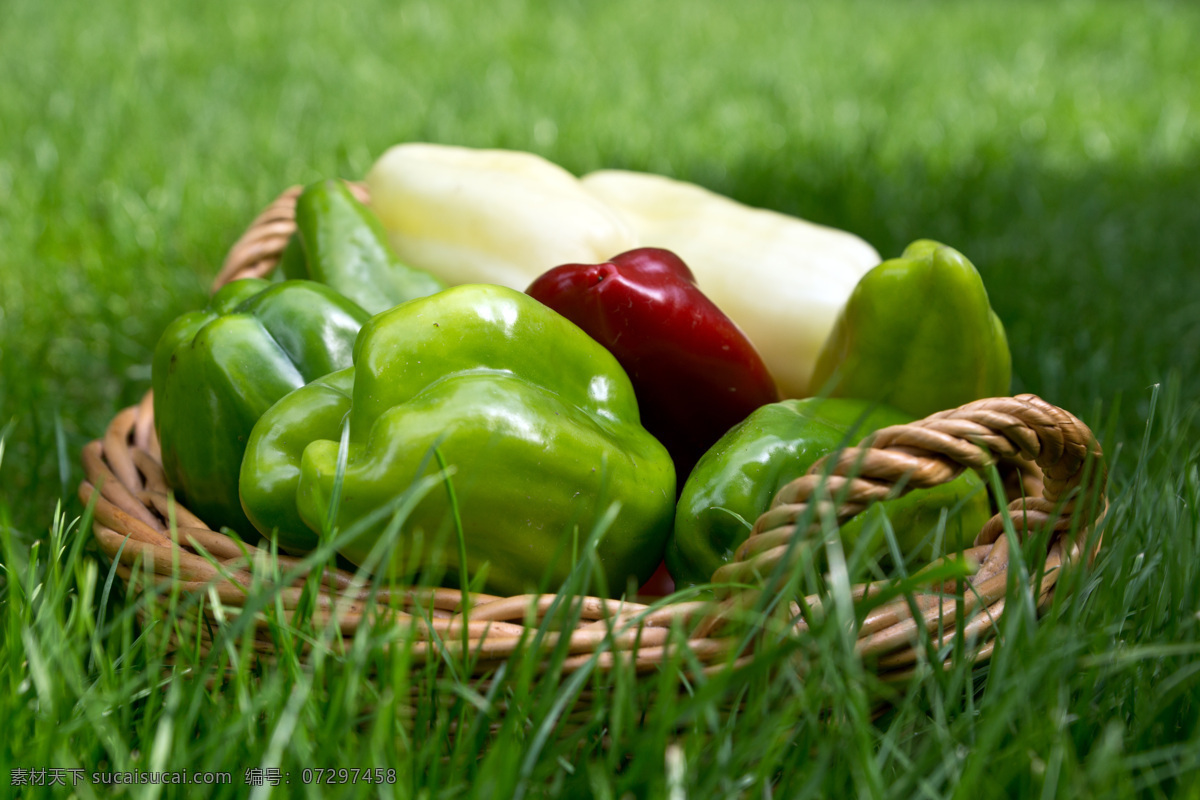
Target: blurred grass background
(1056,144)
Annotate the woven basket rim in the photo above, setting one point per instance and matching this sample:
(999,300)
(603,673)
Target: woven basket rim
(1060,467)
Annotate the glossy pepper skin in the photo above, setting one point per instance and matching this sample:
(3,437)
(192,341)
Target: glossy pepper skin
(271,466)
(537,422)
(695,373)
(339,242)
(918,334)
(217,370)
(744,471)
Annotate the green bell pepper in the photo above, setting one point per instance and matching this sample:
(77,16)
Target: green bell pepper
(738,478)
(271,465)
(918,334)
(217,370)
(536,423)
(341,243)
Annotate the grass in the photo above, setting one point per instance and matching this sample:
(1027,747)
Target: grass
(1057,145)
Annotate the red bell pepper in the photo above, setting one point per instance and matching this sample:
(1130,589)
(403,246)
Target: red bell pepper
(660,584)
(695,373)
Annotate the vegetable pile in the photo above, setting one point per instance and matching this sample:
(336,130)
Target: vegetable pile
(497,362)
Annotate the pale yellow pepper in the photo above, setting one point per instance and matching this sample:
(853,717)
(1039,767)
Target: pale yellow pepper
(781,279)
(490,216)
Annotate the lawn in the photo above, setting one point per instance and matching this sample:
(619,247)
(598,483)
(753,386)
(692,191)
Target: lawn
(1057,145)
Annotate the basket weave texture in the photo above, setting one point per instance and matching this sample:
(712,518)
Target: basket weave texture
(1058,486)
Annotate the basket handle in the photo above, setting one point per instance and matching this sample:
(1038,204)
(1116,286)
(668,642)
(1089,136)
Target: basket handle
(933,451)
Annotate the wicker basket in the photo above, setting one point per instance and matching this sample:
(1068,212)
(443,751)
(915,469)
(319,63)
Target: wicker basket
(1058,485)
